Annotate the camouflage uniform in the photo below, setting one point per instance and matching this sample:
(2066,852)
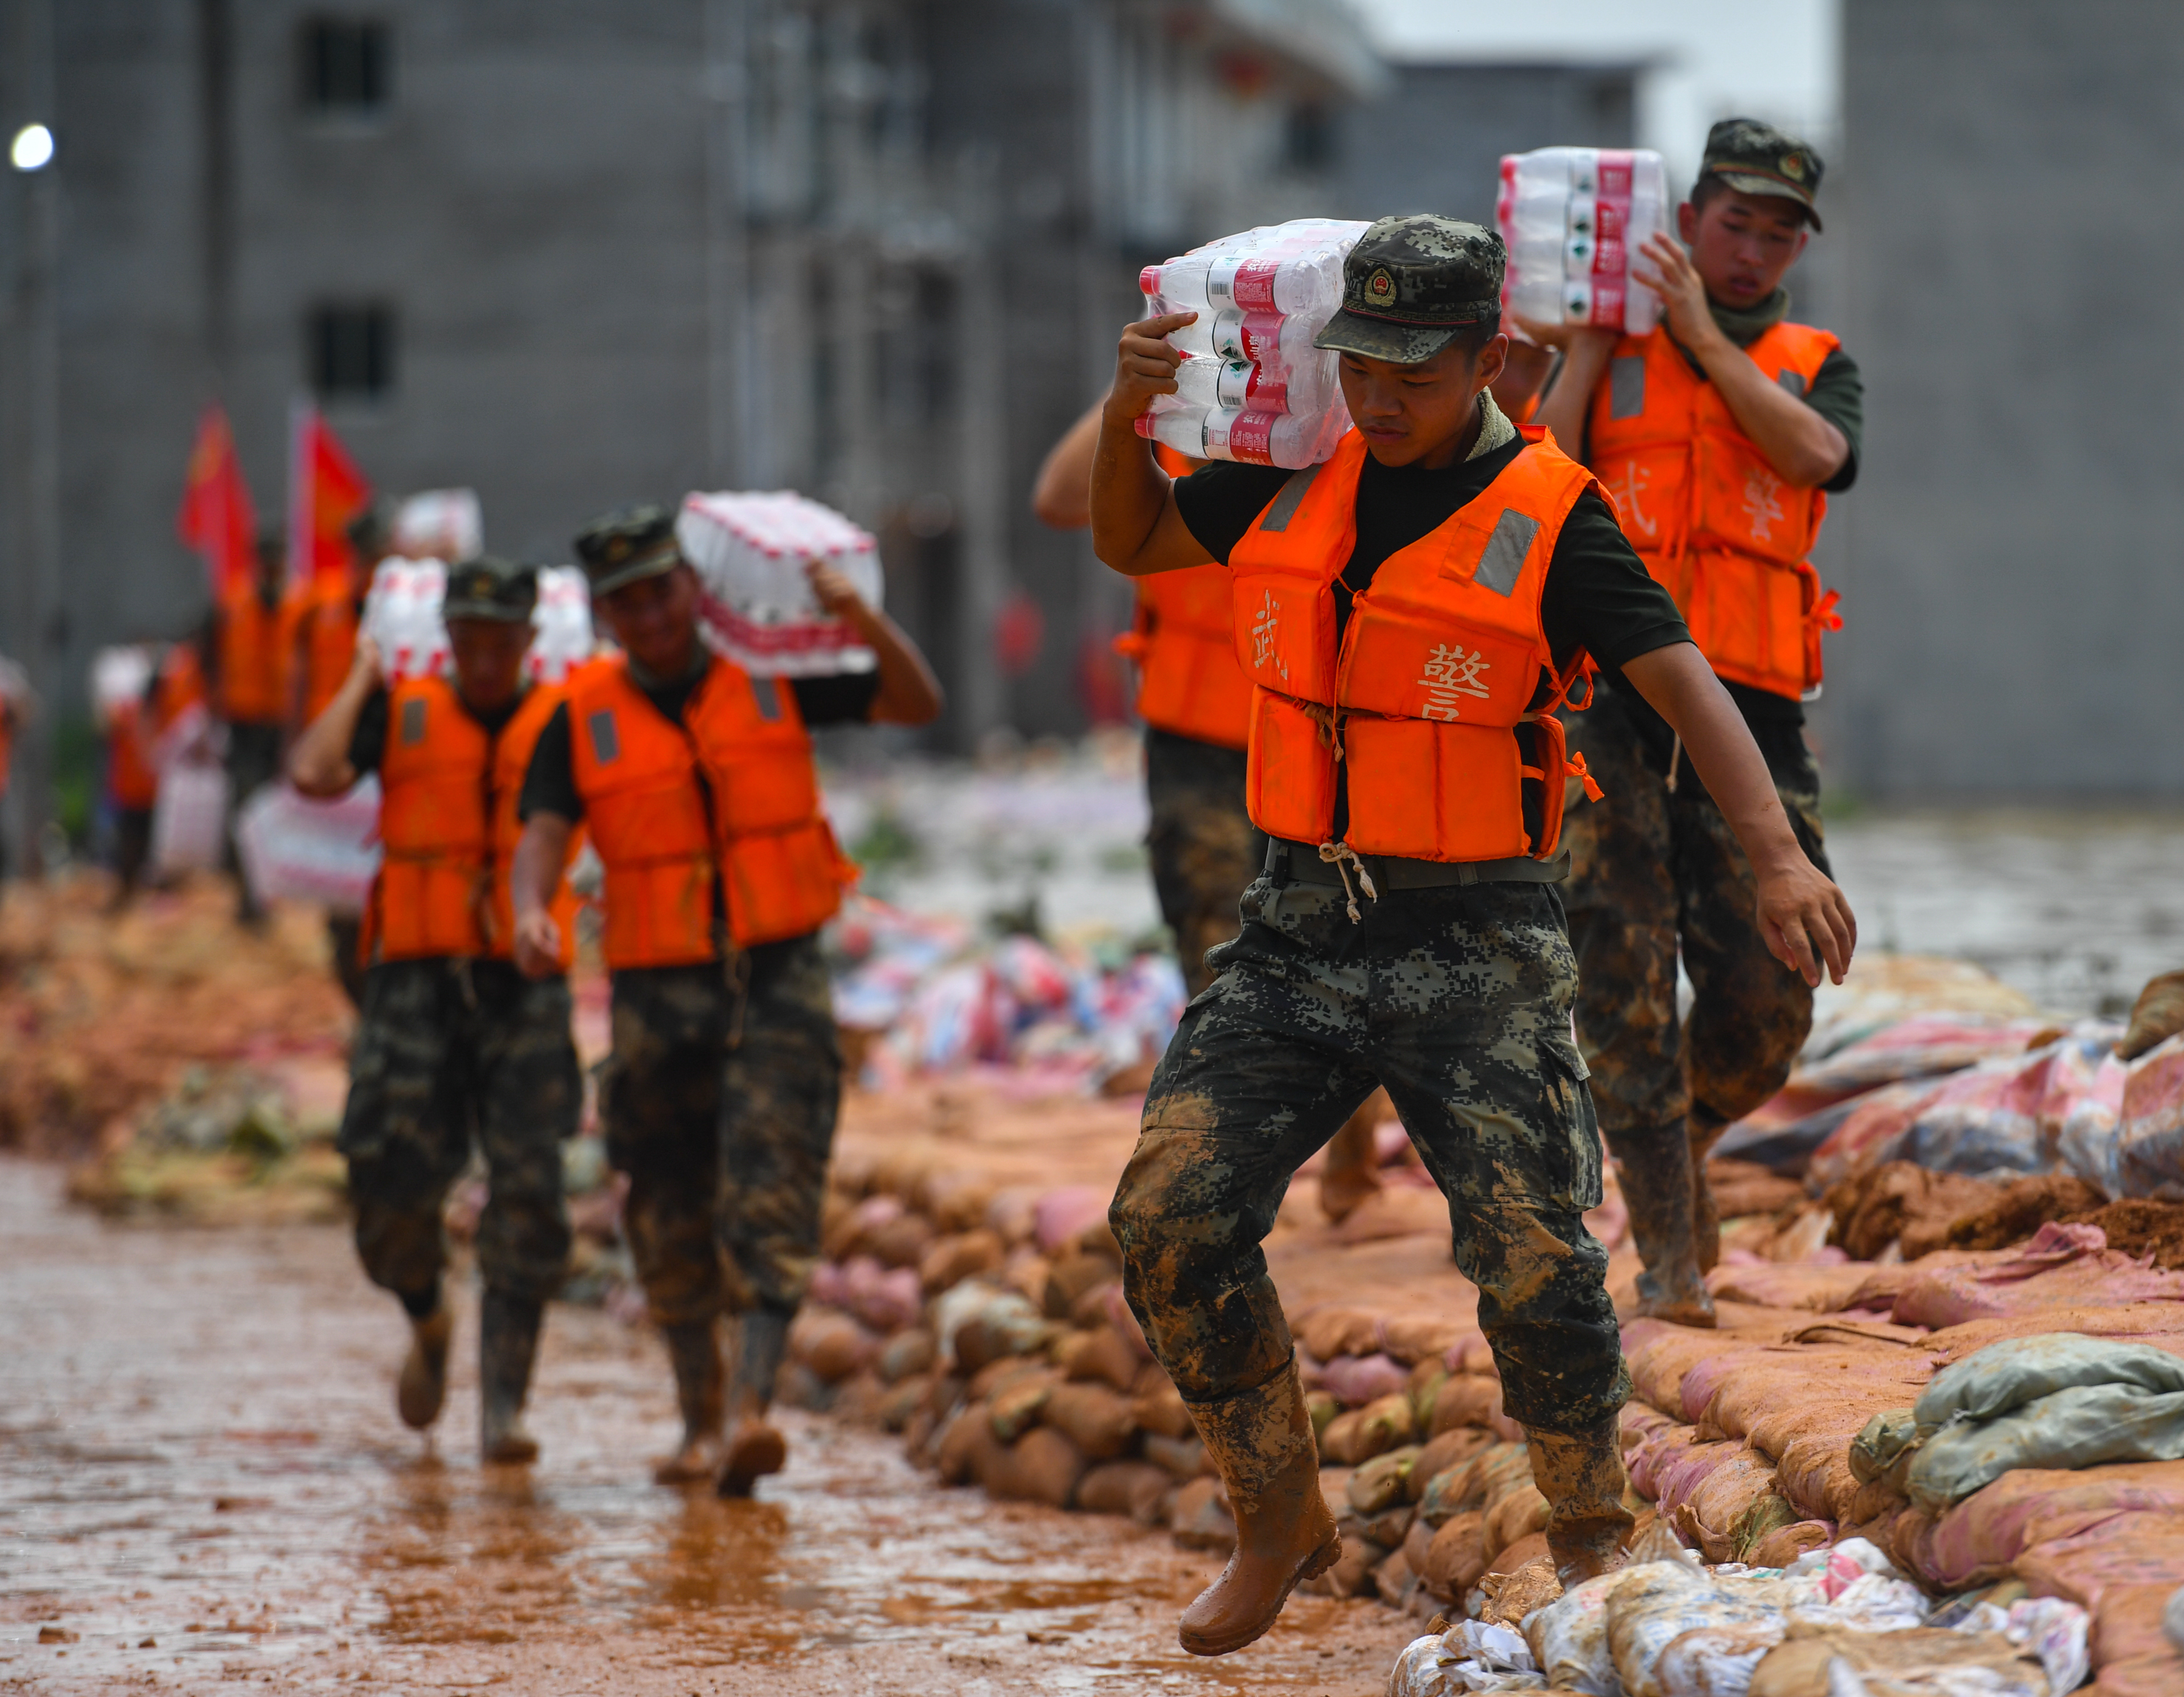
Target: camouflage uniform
(448,1050)
(1456,999)
(1652,867)
(1203,844)
(720,1104)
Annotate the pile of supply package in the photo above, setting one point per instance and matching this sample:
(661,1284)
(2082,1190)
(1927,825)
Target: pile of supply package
(751,552)
(1252,386)
(1574,218)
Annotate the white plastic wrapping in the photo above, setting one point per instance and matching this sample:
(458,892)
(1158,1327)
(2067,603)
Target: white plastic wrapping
(1253,387)
(1573,219)
(750,552)
(402,615)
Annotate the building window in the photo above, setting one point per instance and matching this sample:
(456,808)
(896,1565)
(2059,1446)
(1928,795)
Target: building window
(347,66)
(350,352)
(1308,139)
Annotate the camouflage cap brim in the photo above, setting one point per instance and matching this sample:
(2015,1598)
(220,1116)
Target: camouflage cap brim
(653,563)
(1377,338)
(496,612)
(1753,182)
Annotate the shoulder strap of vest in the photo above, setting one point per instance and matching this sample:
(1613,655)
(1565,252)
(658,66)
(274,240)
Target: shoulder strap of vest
(1557,480)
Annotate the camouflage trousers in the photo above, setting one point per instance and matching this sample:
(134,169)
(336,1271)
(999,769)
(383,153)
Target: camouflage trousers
(1654,872)
(1457,1001)
(447,1052)
(1204,847)
(720,1103)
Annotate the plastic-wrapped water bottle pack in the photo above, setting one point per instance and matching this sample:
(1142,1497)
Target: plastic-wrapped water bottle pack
(1573,219)
(751,552)
(1252,386)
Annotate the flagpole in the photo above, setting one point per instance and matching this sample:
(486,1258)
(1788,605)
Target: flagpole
(301,534)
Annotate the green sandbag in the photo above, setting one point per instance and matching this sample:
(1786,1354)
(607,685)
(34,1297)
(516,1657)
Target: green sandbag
(2080,1427)
(2021,1370)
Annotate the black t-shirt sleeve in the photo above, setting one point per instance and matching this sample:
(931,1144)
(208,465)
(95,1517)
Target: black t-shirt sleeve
(367,743)
(1838,395)
(1218,503)
(845,699)
(1598,596)
(550,782)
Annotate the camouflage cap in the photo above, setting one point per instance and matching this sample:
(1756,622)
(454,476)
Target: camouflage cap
(1411,284)
(625,545)
(1757,158)
(490,588)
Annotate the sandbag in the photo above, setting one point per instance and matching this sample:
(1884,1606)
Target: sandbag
(1438,1454)
(1568,1639)
(1471,1656)
(1042,1466)
(2150,1144)
(2007,1375)
(1382,1481)
(1095,1417)
(1457,1557)
(2077,1427)
(1118,1487)
(1985,1663)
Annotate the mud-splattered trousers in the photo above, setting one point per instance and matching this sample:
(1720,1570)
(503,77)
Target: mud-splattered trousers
(720,1102)
(1457,999)
(1203,846)
(449,1051)
(1653,869)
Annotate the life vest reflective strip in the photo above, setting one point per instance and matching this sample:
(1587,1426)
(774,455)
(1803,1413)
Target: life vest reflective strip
(731,791)
(1187,680)
(1441,661)
(330,631)
(131,778)
(1715,524)
(448,822)
(254,661)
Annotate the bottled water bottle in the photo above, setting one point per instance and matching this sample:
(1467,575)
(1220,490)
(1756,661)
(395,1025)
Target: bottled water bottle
(1252,436)
(1574,218)
(563,621)
(1283,268)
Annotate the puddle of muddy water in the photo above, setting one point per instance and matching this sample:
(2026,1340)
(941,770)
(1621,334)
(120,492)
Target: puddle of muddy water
(203,1481)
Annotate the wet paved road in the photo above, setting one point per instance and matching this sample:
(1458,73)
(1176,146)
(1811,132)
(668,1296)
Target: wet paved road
(201,1477)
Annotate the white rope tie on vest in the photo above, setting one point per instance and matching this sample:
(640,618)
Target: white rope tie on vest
(1343,857)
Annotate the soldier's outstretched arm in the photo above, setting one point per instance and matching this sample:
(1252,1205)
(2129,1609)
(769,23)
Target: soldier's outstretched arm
(1805,919)
(1135,527)
(540,852)
(909,693)
(319,763)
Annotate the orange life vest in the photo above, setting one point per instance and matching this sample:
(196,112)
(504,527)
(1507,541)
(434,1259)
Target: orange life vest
(254,662)
(447,819)
(729,794)
(1188,679)
(1715,524)
(329,645)
(1441,659)
(131,778)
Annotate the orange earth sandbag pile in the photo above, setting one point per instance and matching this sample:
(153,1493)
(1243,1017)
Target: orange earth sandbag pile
(971,1300)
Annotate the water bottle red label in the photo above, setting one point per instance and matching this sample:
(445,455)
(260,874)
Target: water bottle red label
(1615,169)
(1607,303)
(1251,437)
(1253,285)
(1259,338)
(1267,393)
(1610,259)
(1613,217)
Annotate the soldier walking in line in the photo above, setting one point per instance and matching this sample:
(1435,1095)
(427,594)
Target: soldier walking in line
(1720,434)
(695,780)
(1411,613)
(453,1044)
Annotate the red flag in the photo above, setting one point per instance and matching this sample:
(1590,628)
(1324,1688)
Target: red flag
(217,518)
(325,490)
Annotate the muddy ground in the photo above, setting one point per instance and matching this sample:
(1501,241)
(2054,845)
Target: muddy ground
(202,1482)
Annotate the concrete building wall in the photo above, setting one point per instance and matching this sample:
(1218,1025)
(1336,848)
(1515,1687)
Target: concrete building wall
(2010,557)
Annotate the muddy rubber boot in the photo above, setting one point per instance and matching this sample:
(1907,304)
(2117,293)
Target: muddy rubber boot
(755,1446)
(1580,1474)
(1262,1441)
(694,1352)
(423,1385)
(1658,1189)
(1352,1174)
(507,1343)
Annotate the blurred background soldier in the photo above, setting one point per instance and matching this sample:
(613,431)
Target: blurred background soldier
(454,1043)
(254,629)
(696,783)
